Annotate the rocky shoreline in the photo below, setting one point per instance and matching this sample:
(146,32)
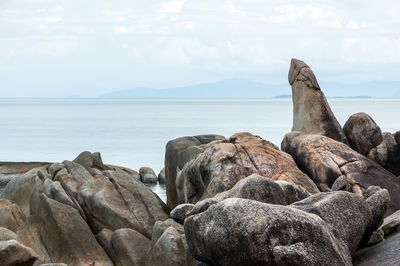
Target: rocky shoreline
(328,196)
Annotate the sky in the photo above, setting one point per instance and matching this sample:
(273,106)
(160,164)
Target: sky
(63,48)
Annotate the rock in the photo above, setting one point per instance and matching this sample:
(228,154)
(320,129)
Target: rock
(161,176)
(224,163)
(19,190)
(311,111)
(30,235)
(53,264)
(11,216)
(292,192)
(255,187)
(90,160)
(362,133)
(393,154)
(130,247)
(383,253)
(379,154)
(13,253)
(180,212)
(104,239)
(325,160)
(115,204)
(246,232)
(391,223)
(6,234)
(376,237)
(67,237)
(378,203)
(397,137)
(168,245)
(347,213)
(147,175)
(178,152)
(122,177)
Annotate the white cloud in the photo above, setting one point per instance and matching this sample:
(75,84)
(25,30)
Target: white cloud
(52,19)
(121,29)
(351,24)
(174,6)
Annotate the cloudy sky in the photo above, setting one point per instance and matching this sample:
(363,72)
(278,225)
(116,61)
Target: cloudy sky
(90,47)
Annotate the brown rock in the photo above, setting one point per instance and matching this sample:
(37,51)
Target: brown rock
(13,253)
(130,247)
(11,216)
(362,133)
(224,163)
(178,152)
(325,160)
(311,111)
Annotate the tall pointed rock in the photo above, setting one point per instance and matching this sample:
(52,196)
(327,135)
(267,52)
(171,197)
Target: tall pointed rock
(311,111)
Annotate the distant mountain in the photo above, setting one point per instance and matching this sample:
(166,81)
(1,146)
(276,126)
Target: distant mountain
(229,88)
(241,88)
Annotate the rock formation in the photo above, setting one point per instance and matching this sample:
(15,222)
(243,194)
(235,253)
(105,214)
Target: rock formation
(311,111)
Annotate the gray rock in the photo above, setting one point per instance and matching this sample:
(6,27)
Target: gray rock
(224,163)
(67,237)
(53,264)
(90,160)
(180,212)
(391,223)
(393,153)
(13,253)
(130,247)
(19,190)
(378,203)
(325,160)
(362,133)
(147,175)
(397,137)
(311,111)
(178,152)
(161,176)
(347,213)
(246,232)
(168,245)
(6,234)
(383,253)
(292,192)
(11,216)
(104,239)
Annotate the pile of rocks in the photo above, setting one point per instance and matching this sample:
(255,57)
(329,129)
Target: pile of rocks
(329,196)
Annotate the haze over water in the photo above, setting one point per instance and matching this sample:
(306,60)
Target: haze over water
(133,133)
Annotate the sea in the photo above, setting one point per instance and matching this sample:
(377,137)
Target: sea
(133,132)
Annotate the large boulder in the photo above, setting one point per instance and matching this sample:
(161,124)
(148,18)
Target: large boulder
(325,160)
(13,253)
(11,216)
(147,175)
(397,137)
(383,253)
(224,163)
(168,245)
(178,152)
(161,176)
(66,235)
(246,232)
(311,111)
(362,133)
(114,200)
(130,247)
(90,160)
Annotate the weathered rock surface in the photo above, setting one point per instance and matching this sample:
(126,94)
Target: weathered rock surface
(6,234)
(104,239)
(224,163)
(67,237)
(397,137)
(246,232)
(325,160)
(311,111)
(11,216)
(391,223)
(178,152)
(147,175)
(381,254)
(180,212)
(90,160)
(168,245)
(362,133)
(13,253)
(130,247)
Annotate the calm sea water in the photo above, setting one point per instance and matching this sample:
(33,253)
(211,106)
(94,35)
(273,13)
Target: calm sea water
(133,133)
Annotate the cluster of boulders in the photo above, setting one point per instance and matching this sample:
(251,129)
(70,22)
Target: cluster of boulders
(328,196)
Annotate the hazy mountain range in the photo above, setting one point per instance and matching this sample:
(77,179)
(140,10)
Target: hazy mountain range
(241,88)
